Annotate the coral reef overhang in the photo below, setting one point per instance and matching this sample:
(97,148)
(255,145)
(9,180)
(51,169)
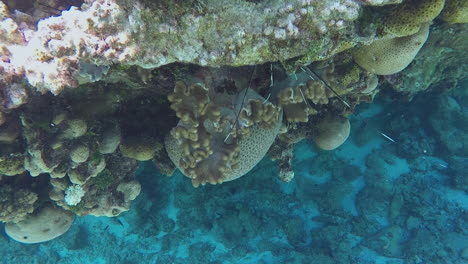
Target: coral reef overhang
(87,91)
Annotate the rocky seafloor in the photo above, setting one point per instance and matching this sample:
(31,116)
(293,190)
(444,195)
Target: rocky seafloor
(219,131)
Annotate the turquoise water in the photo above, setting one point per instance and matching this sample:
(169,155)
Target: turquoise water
(369,201)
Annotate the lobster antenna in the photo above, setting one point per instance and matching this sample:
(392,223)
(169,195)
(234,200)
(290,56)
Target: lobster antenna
(242,105)
(315,76)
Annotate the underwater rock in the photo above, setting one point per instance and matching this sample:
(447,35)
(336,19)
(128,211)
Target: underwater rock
(458,166)
(464,253)
(151,35)
(389,241)
(448,121)
(439,64)
(294,229)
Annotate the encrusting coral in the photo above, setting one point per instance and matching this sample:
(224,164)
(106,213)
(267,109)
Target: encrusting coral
(220,137)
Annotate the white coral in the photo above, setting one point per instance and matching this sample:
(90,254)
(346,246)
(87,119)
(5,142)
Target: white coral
(73,194)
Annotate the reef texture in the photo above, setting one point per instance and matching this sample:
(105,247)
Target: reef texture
(77,46)
(440,63)
(173,82)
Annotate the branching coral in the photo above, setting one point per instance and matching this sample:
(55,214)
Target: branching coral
(220,137)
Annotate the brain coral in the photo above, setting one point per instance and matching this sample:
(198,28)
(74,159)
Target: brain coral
(220,136)
(407,18)
(389,56)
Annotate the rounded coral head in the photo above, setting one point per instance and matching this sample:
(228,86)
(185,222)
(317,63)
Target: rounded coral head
(46,224)
(331,132)
(389,56)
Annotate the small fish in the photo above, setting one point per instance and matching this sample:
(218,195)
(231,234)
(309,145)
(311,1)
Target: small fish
(107,227)
(271,75)
(436,161)
(442,165)
(387,137)
(118,221)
